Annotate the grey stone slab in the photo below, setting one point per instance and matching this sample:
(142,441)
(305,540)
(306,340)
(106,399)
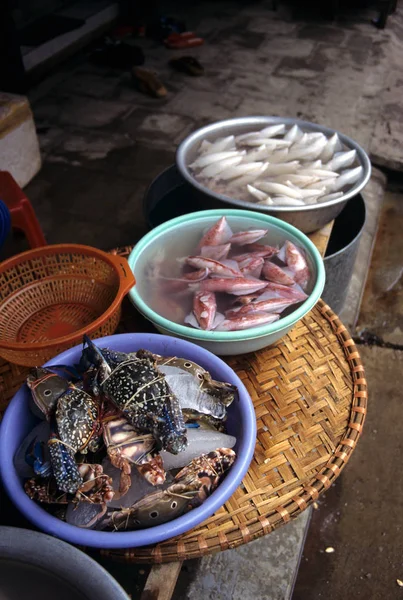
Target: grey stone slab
(286,46)
(204,105)
(143,162)
(386,147)
(360,516)
(381,314)
(263,569)
(324,33)
(97,85)
(160,128)
(79,111)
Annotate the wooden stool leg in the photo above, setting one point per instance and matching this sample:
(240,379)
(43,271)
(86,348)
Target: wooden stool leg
(160,584)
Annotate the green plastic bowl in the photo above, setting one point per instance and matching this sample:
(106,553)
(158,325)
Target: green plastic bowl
(179,237)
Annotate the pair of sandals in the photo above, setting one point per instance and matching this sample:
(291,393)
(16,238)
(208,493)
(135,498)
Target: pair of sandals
(148,82)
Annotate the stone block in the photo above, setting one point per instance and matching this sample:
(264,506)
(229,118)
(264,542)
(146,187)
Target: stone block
(19,148)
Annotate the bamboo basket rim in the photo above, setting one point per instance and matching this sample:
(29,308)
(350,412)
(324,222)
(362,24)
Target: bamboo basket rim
(227,528)
(251,512)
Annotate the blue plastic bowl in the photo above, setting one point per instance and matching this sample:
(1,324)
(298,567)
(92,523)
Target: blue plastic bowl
(18,421)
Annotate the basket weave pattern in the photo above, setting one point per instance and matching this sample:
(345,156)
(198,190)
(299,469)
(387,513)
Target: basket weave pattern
(310,396)
(51,296)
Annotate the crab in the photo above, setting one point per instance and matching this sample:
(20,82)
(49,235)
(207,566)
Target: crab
(96,487)
(75,424)
(190,488)
(139,390)
(126,447)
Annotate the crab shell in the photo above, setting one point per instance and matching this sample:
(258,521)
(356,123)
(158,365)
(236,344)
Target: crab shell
(125,446)
(141,392)
(154,509)
(76,418)
(96,488)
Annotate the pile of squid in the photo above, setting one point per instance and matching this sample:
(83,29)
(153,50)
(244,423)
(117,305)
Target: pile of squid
(278,166)
(235,282)
(126,440)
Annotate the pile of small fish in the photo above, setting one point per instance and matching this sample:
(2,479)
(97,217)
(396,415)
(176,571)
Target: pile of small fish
(126,441)
(264,280)
(276,167)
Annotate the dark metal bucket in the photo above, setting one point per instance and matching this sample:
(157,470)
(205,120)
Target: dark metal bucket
(342,251)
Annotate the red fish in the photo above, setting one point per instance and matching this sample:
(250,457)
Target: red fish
(248,298)
(247,321)
(277,290)
(236,286)
(296,261)
(205,308)
(252,266)
(216,252)
(214,266)
(241,257)
(268,250)
(218,234)
(273,272)
(243,238)
(175,285)
(273,305)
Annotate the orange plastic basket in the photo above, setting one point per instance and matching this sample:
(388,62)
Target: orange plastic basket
(51,296)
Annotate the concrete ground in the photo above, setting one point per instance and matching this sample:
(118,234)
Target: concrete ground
(103,142)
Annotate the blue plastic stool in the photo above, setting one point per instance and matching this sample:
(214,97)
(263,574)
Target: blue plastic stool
(5,223)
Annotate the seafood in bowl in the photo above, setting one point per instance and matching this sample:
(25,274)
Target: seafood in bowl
(233,282)
(293,171)
(277,165)
(127,440)
(158,261)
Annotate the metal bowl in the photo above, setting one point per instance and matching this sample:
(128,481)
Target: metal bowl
(306,218)
(35,565)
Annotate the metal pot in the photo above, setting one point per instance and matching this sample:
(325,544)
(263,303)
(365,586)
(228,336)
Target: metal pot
(35,565)
(342,251)
(306,218)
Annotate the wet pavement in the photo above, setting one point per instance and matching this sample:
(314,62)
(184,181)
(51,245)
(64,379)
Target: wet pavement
(360,517)
(382,306)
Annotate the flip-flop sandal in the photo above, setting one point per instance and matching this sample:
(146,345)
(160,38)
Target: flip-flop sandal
(173,37)
(148,83)
(184,42)
(188,65)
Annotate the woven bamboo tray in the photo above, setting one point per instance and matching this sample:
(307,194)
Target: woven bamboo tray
(310,397)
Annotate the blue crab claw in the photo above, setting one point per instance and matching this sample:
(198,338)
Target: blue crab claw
(70,371)
(64,467)
(35,458)
(92,357)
